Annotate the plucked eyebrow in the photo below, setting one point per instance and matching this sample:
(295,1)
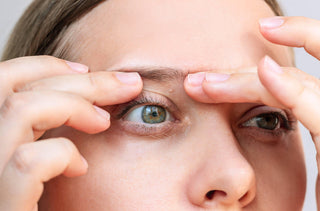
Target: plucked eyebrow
(157,74)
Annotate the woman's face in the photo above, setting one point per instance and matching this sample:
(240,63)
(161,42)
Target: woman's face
(165,151)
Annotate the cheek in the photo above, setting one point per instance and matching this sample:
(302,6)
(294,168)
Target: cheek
(280,170)
(123,171)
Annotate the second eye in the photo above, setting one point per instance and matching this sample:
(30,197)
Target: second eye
(149,114)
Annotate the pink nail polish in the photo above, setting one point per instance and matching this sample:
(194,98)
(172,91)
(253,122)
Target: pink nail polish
(128,78)
(78,67)
(196,79)
(271,65)
(85,163)
(216,77)
(104,114)
(271,23)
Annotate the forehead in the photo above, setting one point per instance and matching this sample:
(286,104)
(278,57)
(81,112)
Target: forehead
(191,34)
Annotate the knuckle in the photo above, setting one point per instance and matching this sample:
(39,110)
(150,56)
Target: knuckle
(23,158)
(5,77)
(94,81)
(36,85)
(14,103)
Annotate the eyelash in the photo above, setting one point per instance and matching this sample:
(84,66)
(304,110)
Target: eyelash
(286,122)
(155,131)
(283,119)
(163,129)
(143,100)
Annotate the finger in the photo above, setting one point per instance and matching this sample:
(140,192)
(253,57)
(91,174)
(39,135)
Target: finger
(27,112)
(303,101)
(233,88)
(316,140)
(294,95)
(294,32)
(21,183)
(193,84)
(318,188)
(100,88)
(193,87)
(243,86)
(17,72)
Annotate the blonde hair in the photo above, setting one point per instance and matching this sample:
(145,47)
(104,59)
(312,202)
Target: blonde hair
(43,25)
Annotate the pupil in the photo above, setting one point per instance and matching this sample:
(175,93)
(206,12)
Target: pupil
(152,114)
(268,121)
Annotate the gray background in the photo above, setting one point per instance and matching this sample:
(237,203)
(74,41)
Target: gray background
(11,10)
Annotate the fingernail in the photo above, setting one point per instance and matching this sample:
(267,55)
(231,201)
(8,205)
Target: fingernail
(271,23)
(78,67)
(196,79)
(84,162)
(270,64)
(216,77)
(102,113)
(128,78)
(316,140)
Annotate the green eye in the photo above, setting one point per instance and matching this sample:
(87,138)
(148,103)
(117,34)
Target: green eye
(269,121)
(152,114)
(149,114)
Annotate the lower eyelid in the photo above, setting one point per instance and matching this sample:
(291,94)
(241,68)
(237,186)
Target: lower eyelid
(141,129)
(263,136)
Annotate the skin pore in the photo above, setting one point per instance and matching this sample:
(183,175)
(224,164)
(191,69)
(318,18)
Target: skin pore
(210,156)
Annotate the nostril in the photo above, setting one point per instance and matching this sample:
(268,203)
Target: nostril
(210,194)
(215,194)
(243,198)
(247,198)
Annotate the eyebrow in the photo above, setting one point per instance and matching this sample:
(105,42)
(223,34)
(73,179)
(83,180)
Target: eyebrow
(157,74)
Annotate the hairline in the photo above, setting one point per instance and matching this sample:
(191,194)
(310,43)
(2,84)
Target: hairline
(66,49)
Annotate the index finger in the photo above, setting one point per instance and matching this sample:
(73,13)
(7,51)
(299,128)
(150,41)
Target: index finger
(19,71)
(294,32)
(100,88)
(272,86)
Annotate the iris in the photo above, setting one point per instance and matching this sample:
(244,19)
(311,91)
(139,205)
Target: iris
(152,114)
(267,121)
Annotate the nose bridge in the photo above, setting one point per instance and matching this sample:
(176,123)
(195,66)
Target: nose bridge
(223,175)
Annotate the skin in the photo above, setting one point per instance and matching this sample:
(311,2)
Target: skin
(206,145)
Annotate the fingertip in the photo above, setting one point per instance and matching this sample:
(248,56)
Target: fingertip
(77,67)
(195,79)
(77,169)
(267,66)
(132,85)
(102,113)
(193,85)
(271,28)
(129,78)
(271,23)
(99,128)
(85,163)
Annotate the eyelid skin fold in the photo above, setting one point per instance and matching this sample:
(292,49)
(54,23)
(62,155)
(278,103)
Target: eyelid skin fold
(286,120)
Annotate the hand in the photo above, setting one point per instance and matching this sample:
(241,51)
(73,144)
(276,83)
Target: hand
(300,92)
(41,93)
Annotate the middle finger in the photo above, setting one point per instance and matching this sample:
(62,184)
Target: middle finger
(100,88)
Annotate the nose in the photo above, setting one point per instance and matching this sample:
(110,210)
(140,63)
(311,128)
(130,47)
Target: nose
(223,178)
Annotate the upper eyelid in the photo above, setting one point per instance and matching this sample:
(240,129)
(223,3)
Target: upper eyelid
(147,98)
(261,109)
(284,119)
